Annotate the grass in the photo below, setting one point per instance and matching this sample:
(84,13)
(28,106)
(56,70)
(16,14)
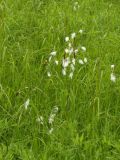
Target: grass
(87,125)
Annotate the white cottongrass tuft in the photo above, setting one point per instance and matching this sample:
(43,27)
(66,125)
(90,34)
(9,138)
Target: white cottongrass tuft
(66,39)
(71,75)
(71,51)
(49,74)
(53,53)
(73,35)
(76,6)
(76,51)
(76,3)
(81,61)
(70,45)
(85,60)
(65,62)
(26,104)
(112,66)
(56,62)
(112,77)
(51,118)
(55,109)
(50,58)
(73,61)
(81,31)
(72,67)
(50,131)
(64,71)
(40,120)
(83,48)
(52,115)
(66,50)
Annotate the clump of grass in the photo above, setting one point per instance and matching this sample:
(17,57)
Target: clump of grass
(59,97)
(70,56)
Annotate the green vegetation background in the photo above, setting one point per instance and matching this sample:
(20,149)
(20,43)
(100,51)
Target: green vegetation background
(87,126)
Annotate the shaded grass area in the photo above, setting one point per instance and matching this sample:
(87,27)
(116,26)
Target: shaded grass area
(87,124)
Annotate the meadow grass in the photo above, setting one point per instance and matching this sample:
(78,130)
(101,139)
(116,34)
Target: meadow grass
(87,123)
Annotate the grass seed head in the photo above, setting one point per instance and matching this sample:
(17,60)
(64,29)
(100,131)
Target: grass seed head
(53,53)
(49,74)
(50,131)
(112,66)
(72,67)
(56,62)
(80,31)
(85,60)
(66,50)
(81,61)
(71,75)
(40,120)
(65,62)
(83,49)
(64,71)
(76,51)
(73,35)
(66,39)
(26,104)
(113,77)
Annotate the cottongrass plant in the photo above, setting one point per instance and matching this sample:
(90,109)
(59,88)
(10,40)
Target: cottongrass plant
(26,104)
(112,76)
(52,118)
(71,56)
(76,6)
(86,125)
(40,120)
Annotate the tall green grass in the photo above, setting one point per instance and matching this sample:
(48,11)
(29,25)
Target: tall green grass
(87,125)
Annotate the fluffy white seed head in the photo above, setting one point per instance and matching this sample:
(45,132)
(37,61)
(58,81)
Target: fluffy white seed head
(71,75)
(53,53)
(66,50)
(66,39)
(73,61)
(112,77)
(64,71)
(65,62)
(83,48)
(52,115)
(51,118)
(40,119)
(76,51)
(56,62)
(49,74)
(70,45)
(71,51)
(26,104)
(112,66)
(81,61)
(50,131)
(85,60)
(76,3)
(72,67)
(76,6)
(55,109)
(80,31)
(50,58)
(73,35)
